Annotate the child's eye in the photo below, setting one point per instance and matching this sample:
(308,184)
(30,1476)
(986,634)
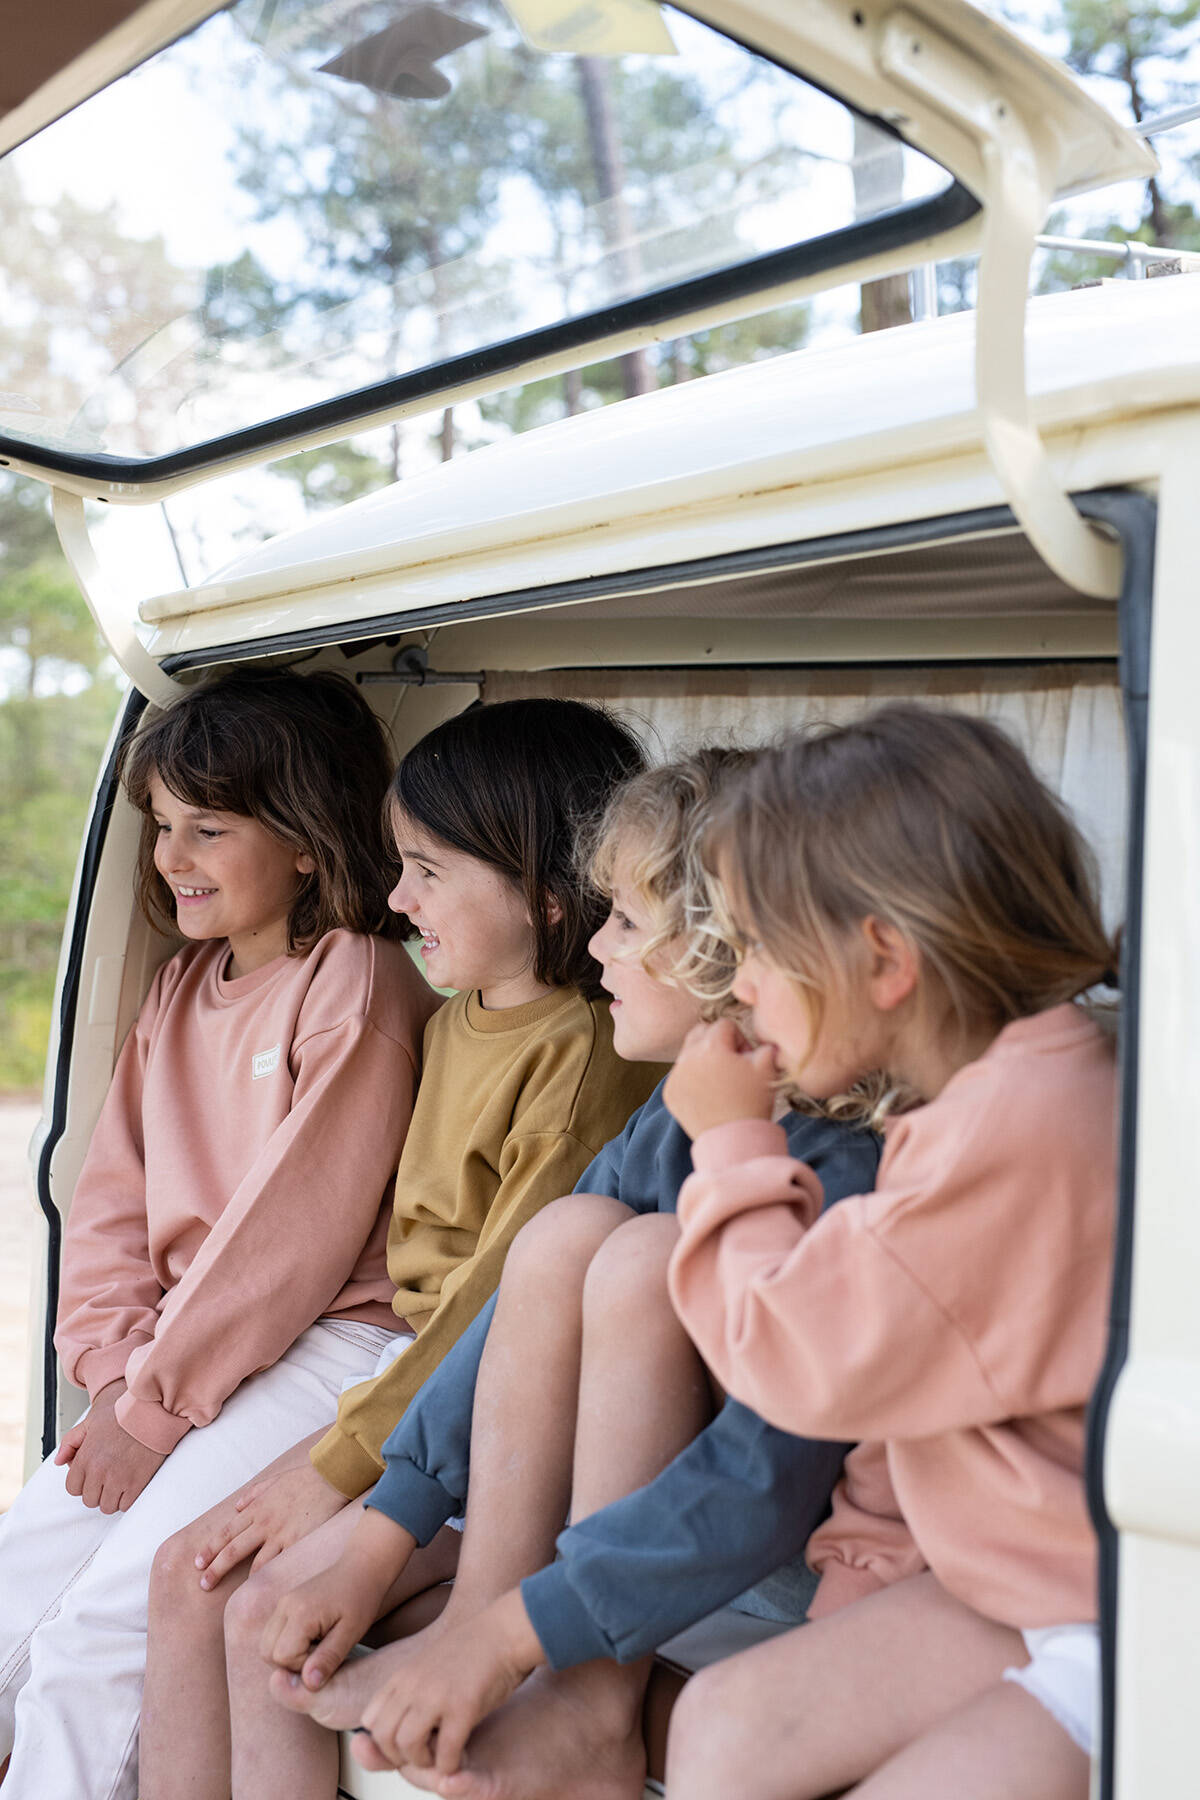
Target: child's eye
(623,921)
(208,831)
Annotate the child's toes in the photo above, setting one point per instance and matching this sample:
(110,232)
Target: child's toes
(366,1751)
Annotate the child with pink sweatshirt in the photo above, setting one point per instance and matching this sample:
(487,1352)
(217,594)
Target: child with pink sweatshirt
(909,897)
(224,1270)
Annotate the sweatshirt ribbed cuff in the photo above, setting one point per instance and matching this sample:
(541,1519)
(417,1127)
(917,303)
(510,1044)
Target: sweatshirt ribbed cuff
(841,1584)
(150,1423)
(566,1629)
(413,1499)
(345,1464)
(94,1369)
(738,1141)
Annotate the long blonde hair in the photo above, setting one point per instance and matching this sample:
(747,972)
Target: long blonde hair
(934,822)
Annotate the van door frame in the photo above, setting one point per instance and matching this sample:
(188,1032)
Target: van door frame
(1133,517)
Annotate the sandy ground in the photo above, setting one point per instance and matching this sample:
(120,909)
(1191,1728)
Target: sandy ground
(17,1238)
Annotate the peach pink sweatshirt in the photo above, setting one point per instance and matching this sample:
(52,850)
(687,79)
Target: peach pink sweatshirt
(238,1183)
(957,1314)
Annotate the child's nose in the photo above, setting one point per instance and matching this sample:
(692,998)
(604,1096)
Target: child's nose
(396,899)
(744,988)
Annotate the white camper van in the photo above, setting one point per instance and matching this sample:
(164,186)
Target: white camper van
(996,510)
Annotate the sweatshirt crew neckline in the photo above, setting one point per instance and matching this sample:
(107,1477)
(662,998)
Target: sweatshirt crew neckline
(489,1021)
(235,987)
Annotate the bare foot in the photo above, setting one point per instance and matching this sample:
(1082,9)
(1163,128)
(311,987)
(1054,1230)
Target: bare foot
(339,1704)
(576,1732)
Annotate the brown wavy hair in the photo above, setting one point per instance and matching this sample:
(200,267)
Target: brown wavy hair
(932,821)
(517,785)
(305,757)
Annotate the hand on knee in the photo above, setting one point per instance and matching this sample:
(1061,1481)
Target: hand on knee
(174,1577)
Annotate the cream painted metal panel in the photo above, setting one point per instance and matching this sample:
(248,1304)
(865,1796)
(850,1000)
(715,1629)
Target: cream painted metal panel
(1152,1452)
(841,439)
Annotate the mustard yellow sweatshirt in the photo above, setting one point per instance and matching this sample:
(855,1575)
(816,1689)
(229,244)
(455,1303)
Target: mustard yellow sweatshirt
(513,1106)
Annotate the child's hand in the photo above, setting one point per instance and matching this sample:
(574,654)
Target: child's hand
(273,1512)
(108,1467)
(315,1627)
(719,1078)
(424,1715)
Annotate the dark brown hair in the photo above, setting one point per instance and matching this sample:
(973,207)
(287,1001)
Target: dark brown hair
(305,757)
(514,785)
(935,822)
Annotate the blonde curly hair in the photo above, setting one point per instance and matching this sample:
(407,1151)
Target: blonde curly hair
(654,827)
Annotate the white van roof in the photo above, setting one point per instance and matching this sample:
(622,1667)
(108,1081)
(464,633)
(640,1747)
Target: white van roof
(774,451)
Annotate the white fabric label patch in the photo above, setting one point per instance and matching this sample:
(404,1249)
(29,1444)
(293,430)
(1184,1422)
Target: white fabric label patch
(265,1062)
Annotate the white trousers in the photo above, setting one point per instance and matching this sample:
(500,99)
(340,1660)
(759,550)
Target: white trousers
(74,1582)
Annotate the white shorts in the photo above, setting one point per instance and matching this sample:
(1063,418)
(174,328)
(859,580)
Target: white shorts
(1063,1673)
(74,1581)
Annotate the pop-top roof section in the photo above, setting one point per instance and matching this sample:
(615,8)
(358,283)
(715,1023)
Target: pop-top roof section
(306,209)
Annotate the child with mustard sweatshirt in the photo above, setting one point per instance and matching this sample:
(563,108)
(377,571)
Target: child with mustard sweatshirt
(520,1088)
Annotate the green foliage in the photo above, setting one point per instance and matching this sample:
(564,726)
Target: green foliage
(335,474)
(50,746)
(1112,37)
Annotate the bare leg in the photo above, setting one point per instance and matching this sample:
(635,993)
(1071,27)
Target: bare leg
(523,1425)
(1003,1746)
(644,1394)
(279,1754)
(825,1706)
(522,1437)
(183,1751)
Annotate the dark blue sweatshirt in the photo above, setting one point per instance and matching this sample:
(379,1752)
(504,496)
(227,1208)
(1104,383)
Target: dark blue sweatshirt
(739,1501)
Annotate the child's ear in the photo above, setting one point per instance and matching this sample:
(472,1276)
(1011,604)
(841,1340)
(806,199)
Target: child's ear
(893,963)
(554,912)
(305,864)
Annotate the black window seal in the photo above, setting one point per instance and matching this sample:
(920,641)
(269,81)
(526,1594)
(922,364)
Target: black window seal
(909,534)
(1135,518)
(89,865)
(849,244)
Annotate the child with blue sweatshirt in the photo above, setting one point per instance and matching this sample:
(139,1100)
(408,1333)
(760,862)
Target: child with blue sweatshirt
(574,1392)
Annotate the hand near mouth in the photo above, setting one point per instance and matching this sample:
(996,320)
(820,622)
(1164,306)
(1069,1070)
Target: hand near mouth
(720,1077)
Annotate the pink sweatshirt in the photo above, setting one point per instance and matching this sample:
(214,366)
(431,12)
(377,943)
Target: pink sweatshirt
(237,1185)
(957,1313)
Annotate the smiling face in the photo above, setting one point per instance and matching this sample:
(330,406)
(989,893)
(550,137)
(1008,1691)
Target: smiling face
(650,1017)
(474,924)
(231,878)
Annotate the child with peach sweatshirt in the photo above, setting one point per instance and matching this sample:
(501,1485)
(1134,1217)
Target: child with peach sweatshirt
(224,1267)
(909,896)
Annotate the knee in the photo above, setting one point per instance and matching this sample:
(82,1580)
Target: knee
(562,1239)
(174,1578)
(628,1273)
(694,1736)
(250,1608)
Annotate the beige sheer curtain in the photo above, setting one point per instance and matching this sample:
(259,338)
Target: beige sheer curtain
(1067,717)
